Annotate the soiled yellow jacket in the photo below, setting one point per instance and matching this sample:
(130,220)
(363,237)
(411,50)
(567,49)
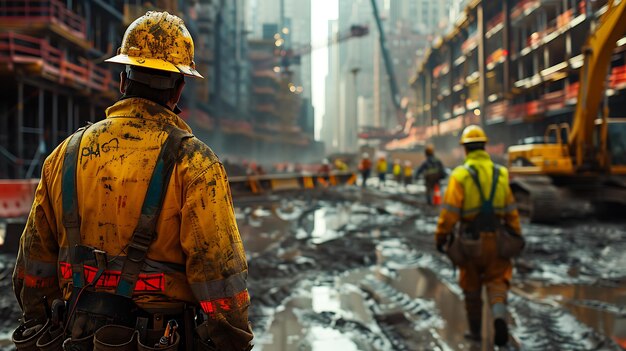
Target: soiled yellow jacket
(197,255)
(462,200)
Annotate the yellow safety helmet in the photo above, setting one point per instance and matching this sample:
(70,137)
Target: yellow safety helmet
(159,41)
(473,134)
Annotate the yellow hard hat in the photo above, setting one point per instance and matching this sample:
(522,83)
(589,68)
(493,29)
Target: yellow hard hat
(159,41)
(473,134)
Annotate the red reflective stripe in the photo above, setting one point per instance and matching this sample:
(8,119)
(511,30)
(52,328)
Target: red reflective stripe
(154,282)
(32,281)
(66,270)
(150,282)
(225,304)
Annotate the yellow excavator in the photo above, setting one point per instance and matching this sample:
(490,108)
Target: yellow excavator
(583,166)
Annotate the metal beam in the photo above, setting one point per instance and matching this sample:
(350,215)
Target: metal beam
(110,9)
(20,126)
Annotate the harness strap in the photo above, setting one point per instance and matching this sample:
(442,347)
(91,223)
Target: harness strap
(71,220)
(145,231)
(486,204)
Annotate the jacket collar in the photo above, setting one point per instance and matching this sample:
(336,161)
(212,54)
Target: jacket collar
(146,109)
(477,156)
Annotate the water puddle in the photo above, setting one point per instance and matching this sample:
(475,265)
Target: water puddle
(327,316)
(599,307)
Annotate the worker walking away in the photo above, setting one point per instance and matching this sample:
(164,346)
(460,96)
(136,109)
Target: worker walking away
(133,223)
(397,171)
(407,173)
(365,167)
(479,197)
(433,171)
(381,169)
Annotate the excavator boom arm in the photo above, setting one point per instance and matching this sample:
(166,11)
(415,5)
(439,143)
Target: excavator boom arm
(597,56)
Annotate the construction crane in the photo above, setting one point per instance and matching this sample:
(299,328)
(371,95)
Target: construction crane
(289,56)
(588,161)
(393,83)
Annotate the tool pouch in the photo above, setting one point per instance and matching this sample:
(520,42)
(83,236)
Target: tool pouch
(510,244)
(26,335)
(79,344)
(152,338)
(115,338)
(201,339)
(455,252)
(52,339)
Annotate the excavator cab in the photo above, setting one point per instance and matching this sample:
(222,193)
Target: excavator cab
(615,144)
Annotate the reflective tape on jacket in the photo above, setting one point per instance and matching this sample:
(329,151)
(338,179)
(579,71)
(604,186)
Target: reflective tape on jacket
(225,304)
(147,282)
(38,274)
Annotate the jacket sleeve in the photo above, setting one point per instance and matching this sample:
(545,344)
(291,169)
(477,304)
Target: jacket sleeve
(35,274)
(511,216)
(216,262)
(451,208)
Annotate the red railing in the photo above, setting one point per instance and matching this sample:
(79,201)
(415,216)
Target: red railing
(495,21)
(497,110)
(554,100)
(618,77)
(43,11)
(470,43)
(522,6)
(23,49)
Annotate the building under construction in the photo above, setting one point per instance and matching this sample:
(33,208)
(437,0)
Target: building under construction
(511,66)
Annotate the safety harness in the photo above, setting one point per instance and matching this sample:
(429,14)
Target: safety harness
(486,220)
(145,231)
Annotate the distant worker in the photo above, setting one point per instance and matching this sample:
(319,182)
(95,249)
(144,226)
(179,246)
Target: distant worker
(133,222)
(407,173)
(397,171)
(324,169)
(341,166)
(381,169)
(433,172)
(365,168)
(479,196)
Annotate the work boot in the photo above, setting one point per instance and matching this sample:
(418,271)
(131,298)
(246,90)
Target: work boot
(501,336)
(501,330)
(473,333)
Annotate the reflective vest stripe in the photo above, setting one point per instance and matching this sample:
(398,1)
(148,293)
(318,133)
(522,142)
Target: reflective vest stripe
(226,304)
(146,282)
(223,288)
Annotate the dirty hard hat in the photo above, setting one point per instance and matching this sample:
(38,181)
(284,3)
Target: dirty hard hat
(473,134)
(158,41)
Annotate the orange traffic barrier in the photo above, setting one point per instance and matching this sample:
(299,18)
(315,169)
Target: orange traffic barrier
(436,195)
(16,197)
(308,183)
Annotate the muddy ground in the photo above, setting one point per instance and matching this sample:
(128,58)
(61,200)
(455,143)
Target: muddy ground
(347,269)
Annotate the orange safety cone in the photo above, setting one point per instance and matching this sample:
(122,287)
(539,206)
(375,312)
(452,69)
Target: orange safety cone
(436,195)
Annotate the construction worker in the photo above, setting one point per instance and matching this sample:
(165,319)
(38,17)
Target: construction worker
(133,221)
(341,166)
(397,171)
(365,168)
(381,169)
(407,173)
(433,171)
(477,190)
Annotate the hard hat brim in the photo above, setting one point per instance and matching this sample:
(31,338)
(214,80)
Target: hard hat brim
(473,140)
(156,64)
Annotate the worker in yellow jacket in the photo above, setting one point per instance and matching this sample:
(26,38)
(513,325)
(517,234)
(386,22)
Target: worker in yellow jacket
(133,221)
(471,189)
(382,167)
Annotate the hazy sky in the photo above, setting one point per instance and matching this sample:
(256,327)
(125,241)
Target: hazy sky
(321,12)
